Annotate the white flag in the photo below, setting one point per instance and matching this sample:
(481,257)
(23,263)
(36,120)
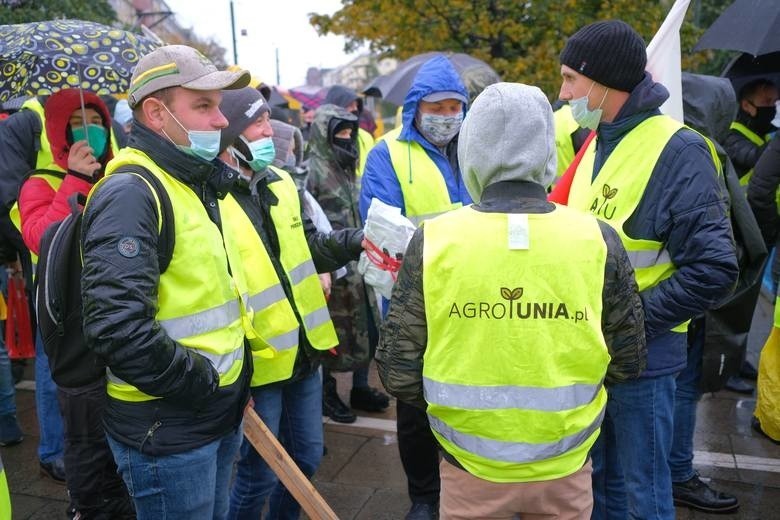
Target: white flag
(663,59)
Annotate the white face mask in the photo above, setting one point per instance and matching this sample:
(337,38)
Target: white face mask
(776,120)
(203,143)
(582,115)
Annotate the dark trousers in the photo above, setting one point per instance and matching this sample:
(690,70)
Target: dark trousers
(96,489)
(419,453)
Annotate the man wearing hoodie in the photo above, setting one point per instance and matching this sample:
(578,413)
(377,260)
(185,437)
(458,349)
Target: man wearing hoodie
(655,181)
(466,323)
(415,168)
(290,311)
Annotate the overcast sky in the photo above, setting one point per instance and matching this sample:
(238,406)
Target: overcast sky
(281,24)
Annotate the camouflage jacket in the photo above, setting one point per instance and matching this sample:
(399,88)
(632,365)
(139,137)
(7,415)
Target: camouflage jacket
(351,302)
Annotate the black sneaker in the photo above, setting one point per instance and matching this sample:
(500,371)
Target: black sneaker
(695,494)
(368,399)
(423,511)
(10,433)
(55,470)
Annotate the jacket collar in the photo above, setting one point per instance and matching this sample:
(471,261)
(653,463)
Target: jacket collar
(514,197)
(186,168)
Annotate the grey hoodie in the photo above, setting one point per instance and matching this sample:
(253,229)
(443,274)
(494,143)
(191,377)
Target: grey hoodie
(508,135)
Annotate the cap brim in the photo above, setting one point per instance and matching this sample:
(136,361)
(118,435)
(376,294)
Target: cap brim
(434,97)
(220,80)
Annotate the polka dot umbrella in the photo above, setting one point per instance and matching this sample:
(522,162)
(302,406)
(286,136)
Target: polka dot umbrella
(40,58)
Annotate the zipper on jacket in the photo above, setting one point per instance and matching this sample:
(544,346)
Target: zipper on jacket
(149,435)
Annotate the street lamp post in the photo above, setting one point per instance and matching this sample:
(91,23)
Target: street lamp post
(233,31)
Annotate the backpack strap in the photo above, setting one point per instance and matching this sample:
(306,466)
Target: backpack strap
(167,237)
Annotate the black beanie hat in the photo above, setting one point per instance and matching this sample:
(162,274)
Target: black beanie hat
(610,52)
(241,108)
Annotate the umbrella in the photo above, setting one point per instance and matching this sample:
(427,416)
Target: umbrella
(40,58)
(475,74)
(311,96)
(749,26)
(746,67)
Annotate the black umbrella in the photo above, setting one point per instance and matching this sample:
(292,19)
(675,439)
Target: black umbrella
(475,74)
(750,26)
(745,68)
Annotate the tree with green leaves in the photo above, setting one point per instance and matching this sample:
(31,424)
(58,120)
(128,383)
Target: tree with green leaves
(520,40)
(23,11)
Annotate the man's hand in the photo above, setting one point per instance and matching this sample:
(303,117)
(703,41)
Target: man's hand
(82,160)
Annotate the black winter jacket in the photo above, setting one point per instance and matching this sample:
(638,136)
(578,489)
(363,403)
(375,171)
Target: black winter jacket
(120,304)
(743,152)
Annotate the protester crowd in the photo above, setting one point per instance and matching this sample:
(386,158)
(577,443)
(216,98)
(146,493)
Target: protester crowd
(544,337)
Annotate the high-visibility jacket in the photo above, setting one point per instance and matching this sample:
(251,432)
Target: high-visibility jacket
(273,310)
(200,294)
(753,138)
(617,190)
(565,126)
(515,360)
(5,494)
(422,183)
(365,143)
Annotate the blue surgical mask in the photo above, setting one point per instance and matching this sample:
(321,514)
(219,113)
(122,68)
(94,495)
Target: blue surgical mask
(203,143)
(262,153)
(582,115)
(96,137)
(438,129)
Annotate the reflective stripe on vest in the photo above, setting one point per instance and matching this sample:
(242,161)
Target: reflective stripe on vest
(491,328)
(54,179)
(273,311)
(199,301)
(618,189)
(422,185)
(565,126)
(753,138)
(365,143)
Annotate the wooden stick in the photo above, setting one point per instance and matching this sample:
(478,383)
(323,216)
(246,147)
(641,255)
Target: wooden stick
(285,468)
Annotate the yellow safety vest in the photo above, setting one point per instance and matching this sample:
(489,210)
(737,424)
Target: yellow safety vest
(618,189)
(199,303)
(273,313)
(53,178)
(565,125)
(365,143)
(5,494)
(515,361)
(422,186)
(753,138)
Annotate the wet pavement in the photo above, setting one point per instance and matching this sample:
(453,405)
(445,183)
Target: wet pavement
(361,475)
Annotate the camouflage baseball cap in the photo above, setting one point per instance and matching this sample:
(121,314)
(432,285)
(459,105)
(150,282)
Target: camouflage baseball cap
(180,66)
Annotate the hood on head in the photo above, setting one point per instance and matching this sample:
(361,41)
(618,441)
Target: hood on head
(507,135)
(285,135)
(57,109)
(319,136)
(435,75)
(342,96)
(709,104)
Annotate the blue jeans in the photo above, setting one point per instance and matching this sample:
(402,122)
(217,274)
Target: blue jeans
(192,485)
(293,412)
(686,399)
(7,391)
(51,444)
(631,477)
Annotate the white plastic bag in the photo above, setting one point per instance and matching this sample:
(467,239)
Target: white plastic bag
(390,232)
